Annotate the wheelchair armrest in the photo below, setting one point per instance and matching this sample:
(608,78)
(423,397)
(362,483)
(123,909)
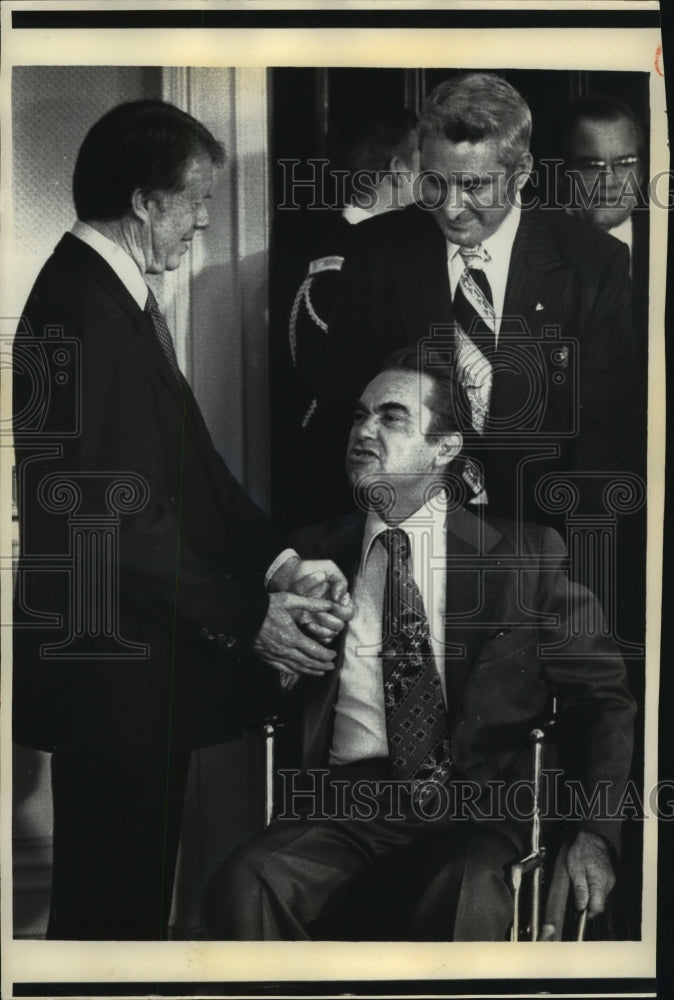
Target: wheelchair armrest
(266,725)
(527,864)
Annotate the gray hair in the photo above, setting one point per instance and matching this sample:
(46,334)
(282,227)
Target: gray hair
(477,106)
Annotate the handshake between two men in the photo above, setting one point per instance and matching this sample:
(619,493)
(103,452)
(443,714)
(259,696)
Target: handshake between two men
(307,596)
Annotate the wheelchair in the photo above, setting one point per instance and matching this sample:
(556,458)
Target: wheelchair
(538,880)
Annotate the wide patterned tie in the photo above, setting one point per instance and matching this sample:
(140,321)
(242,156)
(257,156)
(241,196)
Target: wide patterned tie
(416,718)
(473,309)
(163,334)
(473,299)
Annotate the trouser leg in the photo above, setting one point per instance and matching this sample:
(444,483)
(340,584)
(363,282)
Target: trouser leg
(462,892)
(484,909)
(116,834)
(276,886)
(297,872)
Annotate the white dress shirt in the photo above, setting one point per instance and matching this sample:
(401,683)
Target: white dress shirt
(360,719)
(119,260)
(353,214)
(500,247)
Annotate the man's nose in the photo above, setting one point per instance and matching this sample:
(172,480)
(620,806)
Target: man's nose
(455,202)
(201,217)
(612,180)
(368,427)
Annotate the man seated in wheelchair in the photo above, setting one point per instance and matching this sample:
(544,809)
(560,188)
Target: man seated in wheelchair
(416,751)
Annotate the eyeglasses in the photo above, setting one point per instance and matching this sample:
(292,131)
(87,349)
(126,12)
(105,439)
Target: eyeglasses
(621,167)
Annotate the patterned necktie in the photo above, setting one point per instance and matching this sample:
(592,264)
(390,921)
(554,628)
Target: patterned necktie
(163,334)
(416,718)
(475,337)
(473,299)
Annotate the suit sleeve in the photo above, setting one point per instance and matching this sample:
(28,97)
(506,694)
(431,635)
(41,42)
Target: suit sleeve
(167,570)
(595,707)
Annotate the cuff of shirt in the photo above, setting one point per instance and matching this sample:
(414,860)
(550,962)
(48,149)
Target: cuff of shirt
(281,558)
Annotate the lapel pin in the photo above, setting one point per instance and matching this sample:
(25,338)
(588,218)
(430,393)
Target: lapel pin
(539,307)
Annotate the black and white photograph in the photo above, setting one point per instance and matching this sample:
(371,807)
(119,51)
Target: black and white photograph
(333,381)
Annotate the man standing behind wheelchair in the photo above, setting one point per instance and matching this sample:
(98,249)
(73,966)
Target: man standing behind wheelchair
(416,747)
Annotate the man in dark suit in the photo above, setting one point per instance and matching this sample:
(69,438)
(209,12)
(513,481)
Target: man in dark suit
(604,153)
(145,569)
(535,318)
(464,628)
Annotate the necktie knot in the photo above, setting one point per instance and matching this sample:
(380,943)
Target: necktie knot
(475,257)
(151,304)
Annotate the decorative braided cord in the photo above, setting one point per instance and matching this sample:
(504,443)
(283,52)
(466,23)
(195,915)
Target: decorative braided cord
(318,266)
(306,419)
(321,264)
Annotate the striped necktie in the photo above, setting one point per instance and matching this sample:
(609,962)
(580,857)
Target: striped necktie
(416,719)
(473,299)
(475,339)
(163,334)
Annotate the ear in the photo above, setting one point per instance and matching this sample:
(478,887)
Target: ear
(449,446)
(398,165)
(523,170)
(140,205)
(395,166)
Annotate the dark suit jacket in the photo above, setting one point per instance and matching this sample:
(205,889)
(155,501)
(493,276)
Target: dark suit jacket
(300,303)
(186,570)
(640,279)
(566,324)
(507,600)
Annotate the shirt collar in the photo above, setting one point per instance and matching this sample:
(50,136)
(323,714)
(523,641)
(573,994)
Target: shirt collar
(355,214)
(119,260)
(433,512)
(623,232)
(500,243)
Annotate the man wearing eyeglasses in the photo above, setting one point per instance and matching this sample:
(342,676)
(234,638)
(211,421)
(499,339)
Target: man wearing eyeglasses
(602,147)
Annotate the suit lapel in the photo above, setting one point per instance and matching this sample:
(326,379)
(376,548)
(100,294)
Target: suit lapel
(471,593)
(537,286)
(83,256)
(538,295)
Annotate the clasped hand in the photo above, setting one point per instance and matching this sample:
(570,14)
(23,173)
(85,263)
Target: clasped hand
(308,596)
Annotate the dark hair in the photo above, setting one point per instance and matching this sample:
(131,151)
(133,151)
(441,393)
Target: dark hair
(143,144)
(598,108)
(441,399)
(477,106)
(370,143)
